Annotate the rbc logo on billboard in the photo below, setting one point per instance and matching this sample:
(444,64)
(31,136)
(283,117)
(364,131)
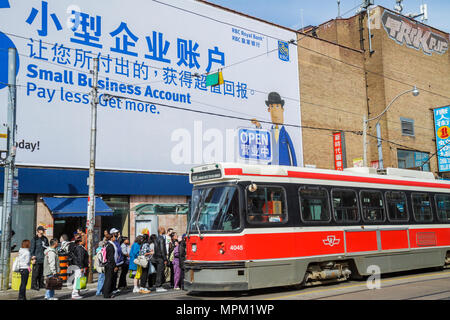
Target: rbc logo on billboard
(255,144)
(283,50)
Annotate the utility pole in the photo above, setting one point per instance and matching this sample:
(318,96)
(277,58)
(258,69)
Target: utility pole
(9,171)
(90,221)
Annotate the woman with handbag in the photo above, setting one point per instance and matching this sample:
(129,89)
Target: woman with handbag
(51,270)
(23,261)
(145,252)
(133,267)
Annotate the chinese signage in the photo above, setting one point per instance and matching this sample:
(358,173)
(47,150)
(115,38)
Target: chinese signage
(442,128)
(255,145)
(338,152)
(155,111)
(414,35)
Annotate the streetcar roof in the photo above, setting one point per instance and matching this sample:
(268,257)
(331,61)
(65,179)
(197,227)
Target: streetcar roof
(391,178)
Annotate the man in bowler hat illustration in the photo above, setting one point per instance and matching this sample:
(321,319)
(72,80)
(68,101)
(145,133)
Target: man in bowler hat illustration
(283,149)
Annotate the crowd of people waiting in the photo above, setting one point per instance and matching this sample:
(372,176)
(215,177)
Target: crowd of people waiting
(151,261)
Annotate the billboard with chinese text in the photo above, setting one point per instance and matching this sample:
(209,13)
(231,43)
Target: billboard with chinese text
(442,128)
(155,112)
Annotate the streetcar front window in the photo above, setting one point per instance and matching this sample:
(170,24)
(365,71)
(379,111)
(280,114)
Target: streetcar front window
(215,209)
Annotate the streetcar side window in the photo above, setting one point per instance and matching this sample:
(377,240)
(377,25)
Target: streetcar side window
(372,206)
(314,204)
(267,205)
(396,206)
(422,207)
(345,205)
(443,207)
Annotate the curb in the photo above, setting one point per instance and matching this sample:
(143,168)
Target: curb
(34,295)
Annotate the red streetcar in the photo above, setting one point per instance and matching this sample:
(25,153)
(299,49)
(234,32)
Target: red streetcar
(257,226)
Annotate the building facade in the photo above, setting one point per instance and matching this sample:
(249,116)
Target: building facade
(396,53)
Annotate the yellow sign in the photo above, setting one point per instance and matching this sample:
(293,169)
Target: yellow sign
(3,135)
(443,132)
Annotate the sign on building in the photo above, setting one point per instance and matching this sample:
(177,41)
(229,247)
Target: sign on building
(155,111)
(339,151)
(255,145)
(442,129)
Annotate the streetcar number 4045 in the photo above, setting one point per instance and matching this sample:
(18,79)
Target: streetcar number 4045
(237,247)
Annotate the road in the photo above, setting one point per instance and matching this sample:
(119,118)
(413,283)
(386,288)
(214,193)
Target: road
(418,285)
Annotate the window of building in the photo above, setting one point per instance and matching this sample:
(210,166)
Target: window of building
(314,204)
(372,206)
(23,220)
(121,214)
(267,205)
(422,207)
(443,207)
(407,127)
(345,205)
(396,206)
(413,160)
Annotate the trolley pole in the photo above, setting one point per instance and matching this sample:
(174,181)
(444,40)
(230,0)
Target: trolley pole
(9,172)
(91,199)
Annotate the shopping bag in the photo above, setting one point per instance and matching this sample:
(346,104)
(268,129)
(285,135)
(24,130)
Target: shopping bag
(138,272)
(81,283)
(152,268)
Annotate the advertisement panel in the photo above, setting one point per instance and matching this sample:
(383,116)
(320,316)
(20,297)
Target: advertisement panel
(155,111)
(442,129)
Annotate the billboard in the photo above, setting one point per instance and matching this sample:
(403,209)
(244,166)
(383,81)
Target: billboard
(155,111)
(442,130)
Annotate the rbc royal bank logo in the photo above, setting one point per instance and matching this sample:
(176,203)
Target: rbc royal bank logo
(283,50)
(331,241)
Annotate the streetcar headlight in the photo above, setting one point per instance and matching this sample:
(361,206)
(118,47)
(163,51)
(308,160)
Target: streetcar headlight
(194,247)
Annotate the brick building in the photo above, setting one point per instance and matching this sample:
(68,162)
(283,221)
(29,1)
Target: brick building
(358,68)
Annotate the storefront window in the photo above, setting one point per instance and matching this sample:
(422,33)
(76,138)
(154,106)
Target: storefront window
(121,216)
(23,220)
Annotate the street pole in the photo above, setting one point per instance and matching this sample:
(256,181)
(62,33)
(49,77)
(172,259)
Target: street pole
(365,141)
(415,93)
(91,199)
(9,171)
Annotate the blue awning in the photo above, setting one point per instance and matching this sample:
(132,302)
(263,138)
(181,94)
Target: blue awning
(75,207)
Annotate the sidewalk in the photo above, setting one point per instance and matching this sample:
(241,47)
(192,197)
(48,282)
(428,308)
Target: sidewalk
(65,292)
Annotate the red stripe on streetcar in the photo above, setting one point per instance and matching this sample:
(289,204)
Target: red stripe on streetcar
(394,239)
(336,177)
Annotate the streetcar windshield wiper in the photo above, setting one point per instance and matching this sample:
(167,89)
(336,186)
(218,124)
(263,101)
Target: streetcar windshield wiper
(197,210)
(200,206)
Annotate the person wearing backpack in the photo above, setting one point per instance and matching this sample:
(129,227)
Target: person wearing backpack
(100,267)
(23,266)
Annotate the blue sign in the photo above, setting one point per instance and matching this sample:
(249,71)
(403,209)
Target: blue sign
(255,144)
(442,126)
(283,50)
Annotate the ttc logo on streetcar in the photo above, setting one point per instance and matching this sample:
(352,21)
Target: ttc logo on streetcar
(331,241)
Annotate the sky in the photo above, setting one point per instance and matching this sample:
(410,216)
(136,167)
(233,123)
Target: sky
(297,13)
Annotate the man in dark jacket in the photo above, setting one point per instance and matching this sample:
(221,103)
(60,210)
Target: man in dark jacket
(38,245)
(159,259)
(110,266)
(182,251)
